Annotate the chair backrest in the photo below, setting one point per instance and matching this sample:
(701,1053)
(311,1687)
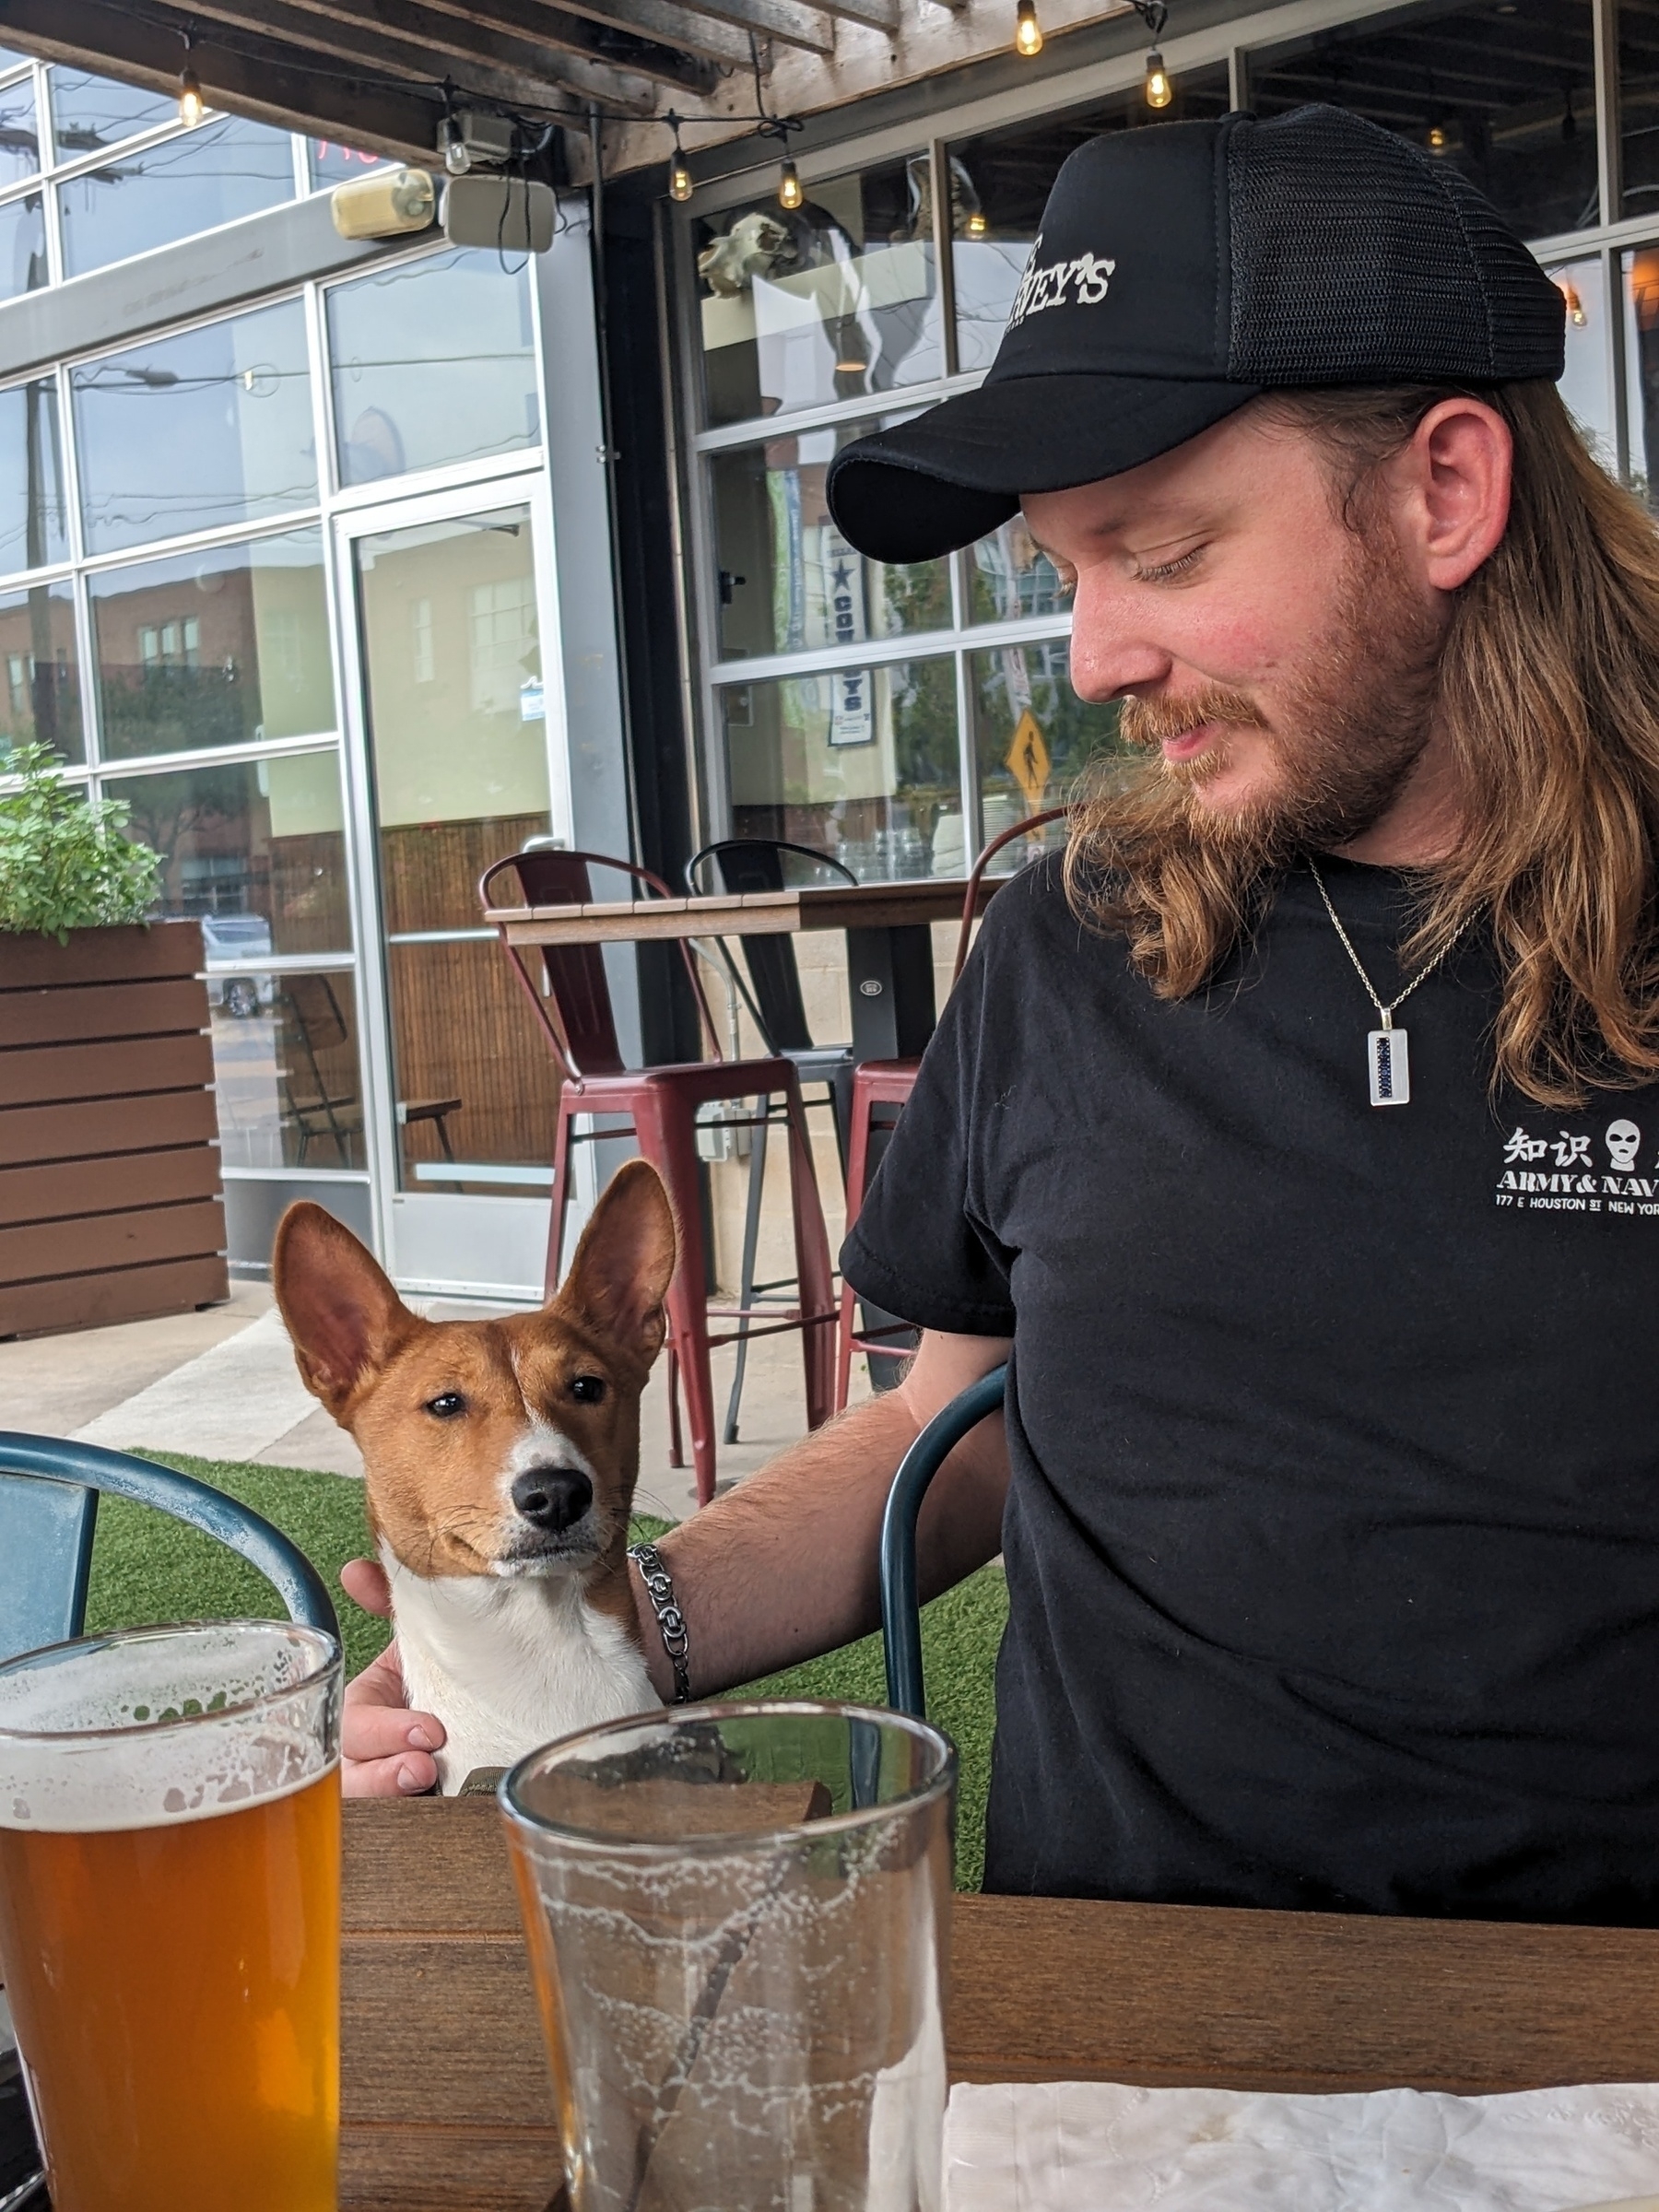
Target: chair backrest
(900,1606)
(743,865)
(582,1028)
(970,904)
(49,1490)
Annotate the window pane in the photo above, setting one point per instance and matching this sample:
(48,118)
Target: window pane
(20,142)
(432,363)
(256,848)
(788,579)
(1000,181)
(1642,368)
(1587,381)
(185,433)
(32,519)
(836,297)
(1032,735)
(332,163)
(1009,578)
(218,648)
(1639,109)
(211,175)
(39,685)
(286,1065)
(1506,93)
(862,764)
(22,245)
(90,112)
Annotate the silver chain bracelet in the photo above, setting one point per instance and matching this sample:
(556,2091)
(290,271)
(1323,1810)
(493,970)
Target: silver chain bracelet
(659,1589)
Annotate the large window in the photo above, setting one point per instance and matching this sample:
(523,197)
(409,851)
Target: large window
(212,175)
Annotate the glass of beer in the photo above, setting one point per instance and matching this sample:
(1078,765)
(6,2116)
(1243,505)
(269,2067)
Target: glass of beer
(169,1914)
(738,1921)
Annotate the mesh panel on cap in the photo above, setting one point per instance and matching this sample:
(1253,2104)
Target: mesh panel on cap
(1356,255)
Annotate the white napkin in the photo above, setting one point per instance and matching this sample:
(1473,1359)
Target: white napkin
(1093,2147)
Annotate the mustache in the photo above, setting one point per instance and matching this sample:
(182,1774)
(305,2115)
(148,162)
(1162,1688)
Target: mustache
(1150,721)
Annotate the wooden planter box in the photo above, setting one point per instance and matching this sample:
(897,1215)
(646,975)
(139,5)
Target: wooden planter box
(110,1204)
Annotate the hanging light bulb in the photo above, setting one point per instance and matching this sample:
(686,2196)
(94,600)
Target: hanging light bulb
(978,224)
(1159,90)
(1436,138)
(680,177)
(790,194)
(1028,31)
(191,106)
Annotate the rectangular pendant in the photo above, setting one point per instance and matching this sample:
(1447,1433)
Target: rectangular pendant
(1388,1064)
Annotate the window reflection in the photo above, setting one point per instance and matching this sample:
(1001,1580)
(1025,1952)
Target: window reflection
(256,849)
(331,163)
(33,524)
(287,1069)
(90,112)
(862,764)
(19,140)
(222,647)
(22,245)
(1010,577)
(190,432)
(1504,91)
(40,682)
(833,299)
(1641,369)
(211,175)
(1586,384)
(788,580)
(1000,181)
(432,363)
(1033,736)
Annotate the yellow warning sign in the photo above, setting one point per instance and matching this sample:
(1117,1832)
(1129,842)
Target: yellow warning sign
(1029,760)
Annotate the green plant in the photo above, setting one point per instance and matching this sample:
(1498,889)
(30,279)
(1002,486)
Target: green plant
(64,862)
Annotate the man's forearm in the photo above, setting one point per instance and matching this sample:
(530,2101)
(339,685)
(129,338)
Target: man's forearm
(786,1566)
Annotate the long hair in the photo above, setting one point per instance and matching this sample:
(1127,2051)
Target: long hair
(1547,691)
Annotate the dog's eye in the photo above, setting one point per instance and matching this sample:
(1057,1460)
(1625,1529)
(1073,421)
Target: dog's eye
(587,1390)
(446,1406)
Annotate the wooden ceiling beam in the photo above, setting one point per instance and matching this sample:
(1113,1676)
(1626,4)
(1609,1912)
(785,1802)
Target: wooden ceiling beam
(689,31)
(880,15)
(789,22)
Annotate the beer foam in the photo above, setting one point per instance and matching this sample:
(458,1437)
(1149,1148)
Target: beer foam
(164,1726)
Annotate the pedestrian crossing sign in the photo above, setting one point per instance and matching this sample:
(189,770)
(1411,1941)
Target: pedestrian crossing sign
(1027,759)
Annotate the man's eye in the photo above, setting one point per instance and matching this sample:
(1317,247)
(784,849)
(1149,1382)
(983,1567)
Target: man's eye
(446,1405)
(587,1390)
(1165,571)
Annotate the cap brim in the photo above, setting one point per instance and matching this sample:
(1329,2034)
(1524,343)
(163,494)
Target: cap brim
(954,474)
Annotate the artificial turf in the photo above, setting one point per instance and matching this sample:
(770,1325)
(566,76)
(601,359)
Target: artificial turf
(148,1568)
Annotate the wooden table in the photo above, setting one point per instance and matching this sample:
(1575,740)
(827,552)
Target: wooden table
(889,946)
(445,2092)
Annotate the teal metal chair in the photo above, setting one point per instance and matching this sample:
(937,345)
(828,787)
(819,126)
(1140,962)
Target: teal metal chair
(900,1608)
(49,1492)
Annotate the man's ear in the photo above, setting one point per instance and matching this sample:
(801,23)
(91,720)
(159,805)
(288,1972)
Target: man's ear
(342,1314)
(625,1261)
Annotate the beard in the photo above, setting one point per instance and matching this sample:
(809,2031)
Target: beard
(1342,742)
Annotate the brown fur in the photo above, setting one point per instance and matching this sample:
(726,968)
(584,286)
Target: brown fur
(1547,689)
(433,1483)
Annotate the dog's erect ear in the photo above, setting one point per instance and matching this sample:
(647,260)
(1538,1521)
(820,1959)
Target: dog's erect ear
(625,1261)
(342,1314)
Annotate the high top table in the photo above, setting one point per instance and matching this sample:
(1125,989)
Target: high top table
(445,2093)
(889,945)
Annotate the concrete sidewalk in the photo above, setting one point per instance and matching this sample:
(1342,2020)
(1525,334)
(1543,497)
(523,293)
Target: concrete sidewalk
(222,1384)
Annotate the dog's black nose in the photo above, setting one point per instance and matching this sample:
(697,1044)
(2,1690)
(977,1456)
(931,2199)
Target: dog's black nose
(552,1498)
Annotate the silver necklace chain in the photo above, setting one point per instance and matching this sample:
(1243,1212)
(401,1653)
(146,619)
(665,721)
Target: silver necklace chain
(1385,1012)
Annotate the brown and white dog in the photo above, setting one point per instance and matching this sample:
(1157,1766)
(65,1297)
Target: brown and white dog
(500,1459)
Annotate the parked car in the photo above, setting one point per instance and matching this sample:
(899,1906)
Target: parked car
(237,937)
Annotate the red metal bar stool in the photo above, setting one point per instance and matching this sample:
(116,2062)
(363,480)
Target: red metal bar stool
(889,1083)
(576,1018)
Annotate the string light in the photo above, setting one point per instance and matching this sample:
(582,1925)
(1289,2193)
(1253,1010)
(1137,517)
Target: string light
(1159,90)
(978,224)
(191,106)
(1436,138)
(790,194)
(1028,31)
(680,168)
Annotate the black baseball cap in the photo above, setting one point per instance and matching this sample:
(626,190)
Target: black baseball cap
(1184,268)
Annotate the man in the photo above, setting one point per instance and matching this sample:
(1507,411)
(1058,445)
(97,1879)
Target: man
(1301,1136)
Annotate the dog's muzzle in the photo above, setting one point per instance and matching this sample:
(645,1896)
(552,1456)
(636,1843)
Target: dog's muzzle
(552,1498)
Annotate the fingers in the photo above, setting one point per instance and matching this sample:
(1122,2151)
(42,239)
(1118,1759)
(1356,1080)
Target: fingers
(386,1748)
(364,1582)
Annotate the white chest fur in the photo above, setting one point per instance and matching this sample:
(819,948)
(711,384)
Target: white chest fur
(509,1664)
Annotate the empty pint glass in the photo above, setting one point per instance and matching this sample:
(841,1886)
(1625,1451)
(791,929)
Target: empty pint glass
(738,1918)
(169,1914)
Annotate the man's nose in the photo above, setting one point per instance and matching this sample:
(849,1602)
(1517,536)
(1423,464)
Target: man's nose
(553,1498)
(1111,653)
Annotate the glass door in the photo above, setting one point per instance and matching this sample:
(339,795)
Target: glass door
(454,770)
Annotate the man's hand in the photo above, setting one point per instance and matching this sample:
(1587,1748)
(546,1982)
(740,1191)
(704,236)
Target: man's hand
(387,1749)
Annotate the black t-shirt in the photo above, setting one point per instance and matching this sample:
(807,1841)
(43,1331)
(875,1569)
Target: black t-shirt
(1333,1536)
